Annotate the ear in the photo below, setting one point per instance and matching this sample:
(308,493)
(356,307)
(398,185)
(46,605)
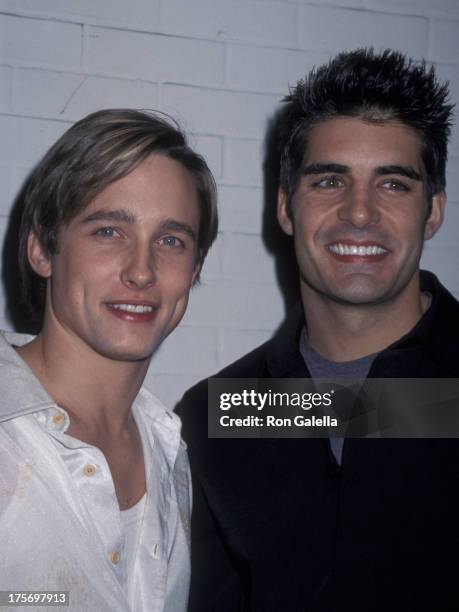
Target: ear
(436,216)
(38,256)
(283,213)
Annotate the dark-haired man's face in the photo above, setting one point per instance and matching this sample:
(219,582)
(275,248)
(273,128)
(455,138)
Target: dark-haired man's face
(358,216)
(120,281)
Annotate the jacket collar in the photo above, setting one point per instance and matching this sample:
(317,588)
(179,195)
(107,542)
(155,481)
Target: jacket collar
(436,333)
(283,358)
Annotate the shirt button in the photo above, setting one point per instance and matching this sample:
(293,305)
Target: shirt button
(115,557)
(58,418)
(89,469)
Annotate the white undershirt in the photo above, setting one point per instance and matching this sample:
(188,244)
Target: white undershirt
(131,522)
(150,556)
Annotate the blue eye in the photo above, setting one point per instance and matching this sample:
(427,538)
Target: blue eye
(172,241)
(107,232)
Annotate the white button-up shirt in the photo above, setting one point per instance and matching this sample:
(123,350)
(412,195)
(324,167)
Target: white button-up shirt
(60,523)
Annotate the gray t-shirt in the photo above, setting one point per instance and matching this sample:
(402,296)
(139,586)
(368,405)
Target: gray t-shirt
(321,367)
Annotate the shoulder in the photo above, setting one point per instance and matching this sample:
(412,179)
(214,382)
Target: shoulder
(441,329)
(149,406)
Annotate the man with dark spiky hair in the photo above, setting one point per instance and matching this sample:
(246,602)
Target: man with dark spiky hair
(324,524)
(117,219)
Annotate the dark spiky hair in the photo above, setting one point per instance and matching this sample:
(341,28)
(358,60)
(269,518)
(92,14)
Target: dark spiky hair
(376,87)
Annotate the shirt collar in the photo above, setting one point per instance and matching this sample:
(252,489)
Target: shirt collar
(21,392)
(431,348)
(164,425)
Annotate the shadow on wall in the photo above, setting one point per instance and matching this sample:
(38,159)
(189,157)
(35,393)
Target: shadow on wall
(17,312)
(278,244)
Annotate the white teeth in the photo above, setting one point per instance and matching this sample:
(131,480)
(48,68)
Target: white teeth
(354,249)
(133,307)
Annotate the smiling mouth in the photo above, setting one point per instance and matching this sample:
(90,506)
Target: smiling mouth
(135,313)
(357,250)
(137,308)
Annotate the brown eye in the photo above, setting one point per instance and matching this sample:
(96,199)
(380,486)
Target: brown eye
(329,182)
(395,185)
(107,232)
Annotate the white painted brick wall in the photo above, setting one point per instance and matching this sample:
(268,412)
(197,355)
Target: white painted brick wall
(200,356)
(5,186)
(156,57)
(75,95)
(235,304)
(40,41)
(447,8)
(221,67)
(245,257)
(5,90)
(273,22)
(448,233)
(126,14)
(24,139)
(212,149)
(345,29)
(233,342)
(220,111)
(241,209)
(269,69)
(445,37)
(243,161)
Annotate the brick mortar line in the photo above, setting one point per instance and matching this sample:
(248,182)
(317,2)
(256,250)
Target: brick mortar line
(134,29)
(124,76)
(393,10)
(256,43)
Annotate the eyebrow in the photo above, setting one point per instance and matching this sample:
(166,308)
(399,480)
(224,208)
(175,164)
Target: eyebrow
(178,226)
(407,171)
(124,216)
(120,215)
(320,168)
(323,168)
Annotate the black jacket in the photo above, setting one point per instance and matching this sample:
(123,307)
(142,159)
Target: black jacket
(278,526)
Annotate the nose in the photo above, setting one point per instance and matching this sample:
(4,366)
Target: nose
(139,267)
(359,208)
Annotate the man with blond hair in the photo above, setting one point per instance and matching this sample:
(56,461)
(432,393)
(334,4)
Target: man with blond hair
(117,220)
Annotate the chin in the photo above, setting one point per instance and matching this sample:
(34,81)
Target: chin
(127,356)
(359,300)
(125,352)
(360,292)
(364,296)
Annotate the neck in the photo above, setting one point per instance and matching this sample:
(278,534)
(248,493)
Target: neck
(344,332)
(96,391)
